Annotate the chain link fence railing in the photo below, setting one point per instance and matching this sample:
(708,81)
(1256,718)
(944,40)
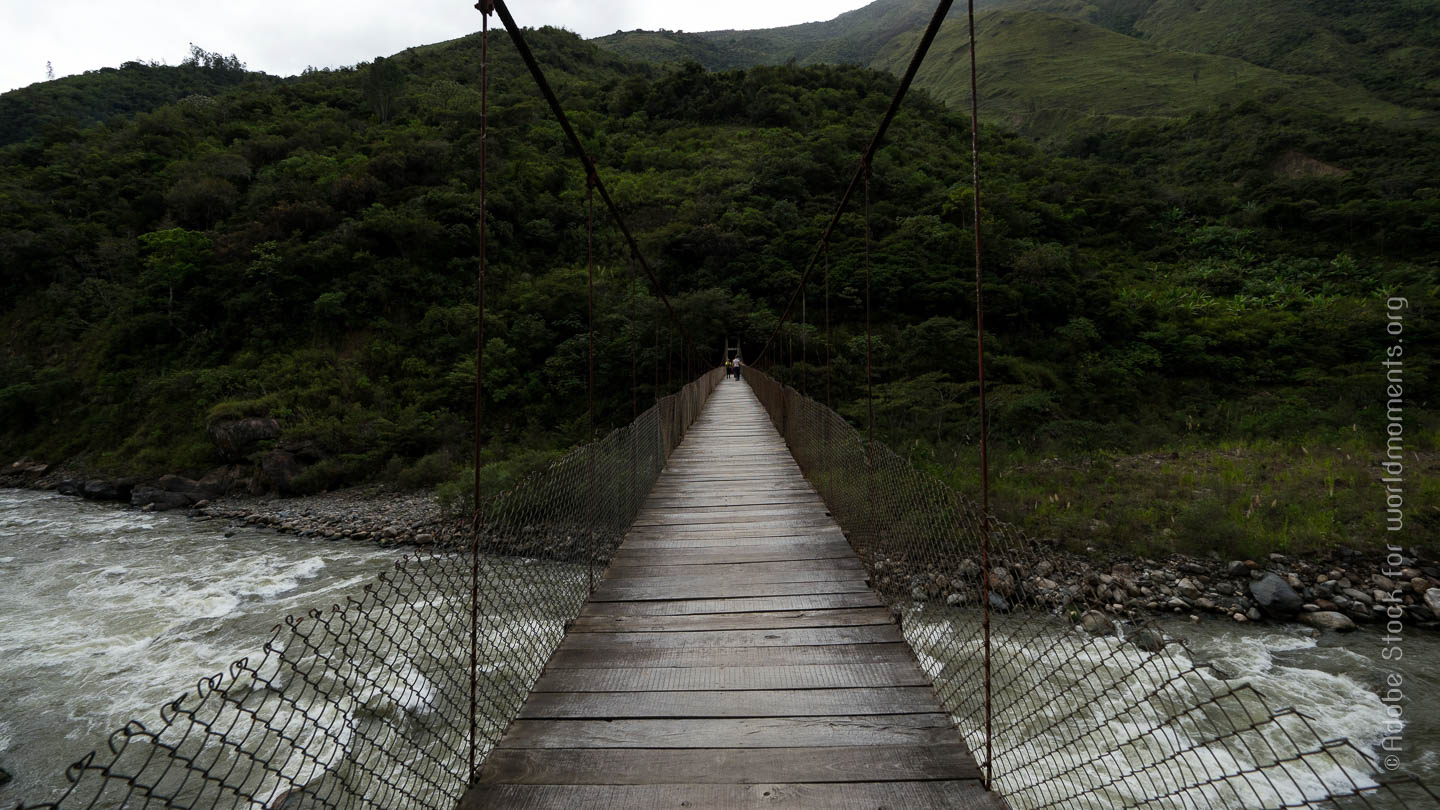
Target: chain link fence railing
(1084,713)
(368,704)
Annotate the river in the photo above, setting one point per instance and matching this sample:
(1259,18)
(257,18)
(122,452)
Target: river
(106,613)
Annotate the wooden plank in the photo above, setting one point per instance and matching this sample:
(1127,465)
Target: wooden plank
(744,766)
(628,569)
(720,703)
(720,523)
(725,539)
(625,582)
(688,607)
(732,514)
(569,657)
(805,636)
(747,732)
(666,589)
(731,678)
(846,617)
(827,550)
(936,795)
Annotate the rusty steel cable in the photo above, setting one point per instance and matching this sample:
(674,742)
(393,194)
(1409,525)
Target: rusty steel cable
(485,8)
(543,85)
(980,382)
(926,39)
(827,326)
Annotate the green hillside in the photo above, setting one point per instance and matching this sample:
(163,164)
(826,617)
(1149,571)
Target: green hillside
(1043,74)
(79,101)
(305,252)
(851,38)
(1052,65)
(1389,47)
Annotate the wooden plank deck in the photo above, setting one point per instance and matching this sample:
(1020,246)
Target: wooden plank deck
(732,656)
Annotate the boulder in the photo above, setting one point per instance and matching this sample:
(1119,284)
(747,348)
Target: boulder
(1432,601)
(1188,589)
(1275,597)
(185,486)
(1148,639)
(1328,620)
(280,468)
(100,489)
(29,468)
(69,486)
(1238,568)
(237,438)
(1001,581)
(998,603)
(1357,595)
(159,500)
(1095,623)
(225,480)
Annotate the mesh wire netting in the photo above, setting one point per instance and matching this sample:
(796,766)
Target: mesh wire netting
(367,704)
(1109,718)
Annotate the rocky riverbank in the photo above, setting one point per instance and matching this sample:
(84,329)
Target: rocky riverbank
(1335,591)
(366,514)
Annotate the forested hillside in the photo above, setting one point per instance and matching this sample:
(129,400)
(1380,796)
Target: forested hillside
(69,104)
(1049,66)
(306,252)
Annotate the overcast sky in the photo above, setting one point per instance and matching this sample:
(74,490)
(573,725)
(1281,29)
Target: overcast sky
(283,37)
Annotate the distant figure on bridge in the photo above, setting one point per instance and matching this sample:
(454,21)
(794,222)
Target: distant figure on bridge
(729,367)
(737,366)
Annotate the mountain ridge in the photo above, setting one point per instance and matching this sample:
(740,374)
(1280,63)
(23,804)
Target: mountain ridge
(1128,39)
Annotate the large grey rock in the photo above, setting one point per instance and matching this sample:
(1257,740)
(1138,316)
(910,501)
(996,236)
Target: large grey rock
(100,489)
(1328,620)
(1188,589)
(29,468)
(1095,623)
(1148,639)
(237,438)
(1275,597)
(158,499)
(1001,581)
(1432,601)
(280,468)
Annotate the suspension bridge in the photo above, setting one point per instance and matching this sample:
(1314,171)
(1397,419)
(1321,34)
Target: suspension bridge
(732,655)
(724,604)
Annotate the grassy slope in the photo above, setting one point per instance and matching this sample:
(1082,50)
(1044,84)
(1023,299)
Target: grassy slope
(1042,73)
(1387,46)
(853,37)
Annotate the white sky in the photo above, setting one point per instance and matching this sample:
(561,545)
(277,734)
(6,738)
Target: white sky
(284,36)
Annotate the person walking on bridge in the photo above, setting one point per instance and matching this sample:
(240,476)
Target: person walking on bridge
(737,366)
